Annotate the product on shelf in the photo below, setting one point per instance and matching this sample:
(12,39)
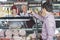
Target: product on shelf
(4,11)
(17,38)
(8,33)
(15,32)
(24,38)
(28,38)
(33,37)
(22,32)
(1,33)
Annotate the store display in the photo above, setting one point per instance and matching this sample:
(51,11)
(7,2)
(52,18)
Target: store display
(22,34)
(28,38)
(5,10)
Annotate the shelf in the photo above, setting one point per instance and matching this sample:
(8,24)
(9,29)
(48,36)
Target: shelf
(34,5)
(20,3)
(33,2)
(29,29)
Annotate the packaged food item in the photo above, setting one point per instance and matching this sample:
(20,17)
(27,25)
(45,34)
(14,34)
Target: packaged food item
(28,38)
(33,36)
(23,38)
(22,32)
(17,38)
(15,32)
(8,33)
(1,33)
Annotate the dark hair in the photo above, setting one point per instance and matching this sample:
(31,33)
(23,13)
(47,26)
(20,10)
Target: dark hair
(13,7)
(47,6)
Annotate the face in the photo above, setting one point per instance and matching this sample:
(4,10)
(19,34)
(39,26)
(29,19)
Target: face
(24,8)
(43,12)
(14,11)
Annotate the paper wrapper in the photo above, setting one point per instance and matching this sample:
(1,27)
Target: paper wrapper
(1,33)
(8,33)
(15,32)
(17,38)
(22,32)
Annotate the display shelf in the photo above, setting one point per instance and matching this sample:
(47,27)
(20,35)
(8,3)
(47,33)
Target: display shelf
(56,5)
(27,29)
(29,4)
(20,3)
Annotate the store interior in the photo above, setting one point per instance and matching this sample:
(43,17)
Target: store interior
(31,30)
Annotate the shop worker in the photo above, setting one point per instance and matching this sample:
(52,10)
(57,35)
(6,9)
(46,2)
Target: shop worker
(14,24)
(25,12)
(48,28)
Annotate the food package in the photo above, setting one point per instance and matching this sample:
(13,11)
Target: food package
(22,32)
(1,33)
(28,38)
(17,38)
(33,35)
(23,38)
(8,33)
(8,36)
(15,32)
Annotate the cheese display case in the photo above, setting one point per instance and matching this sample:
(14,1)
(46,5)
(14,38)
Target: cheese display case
(22,32)
(17,33)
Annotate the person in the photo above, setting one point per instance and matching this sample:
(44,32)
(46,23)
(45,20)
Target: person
(14,24)
(25,12)
(46,15)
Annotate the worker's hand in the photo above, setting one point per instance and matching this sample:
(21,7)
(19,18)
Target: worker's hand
(40,13)
(31,12)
